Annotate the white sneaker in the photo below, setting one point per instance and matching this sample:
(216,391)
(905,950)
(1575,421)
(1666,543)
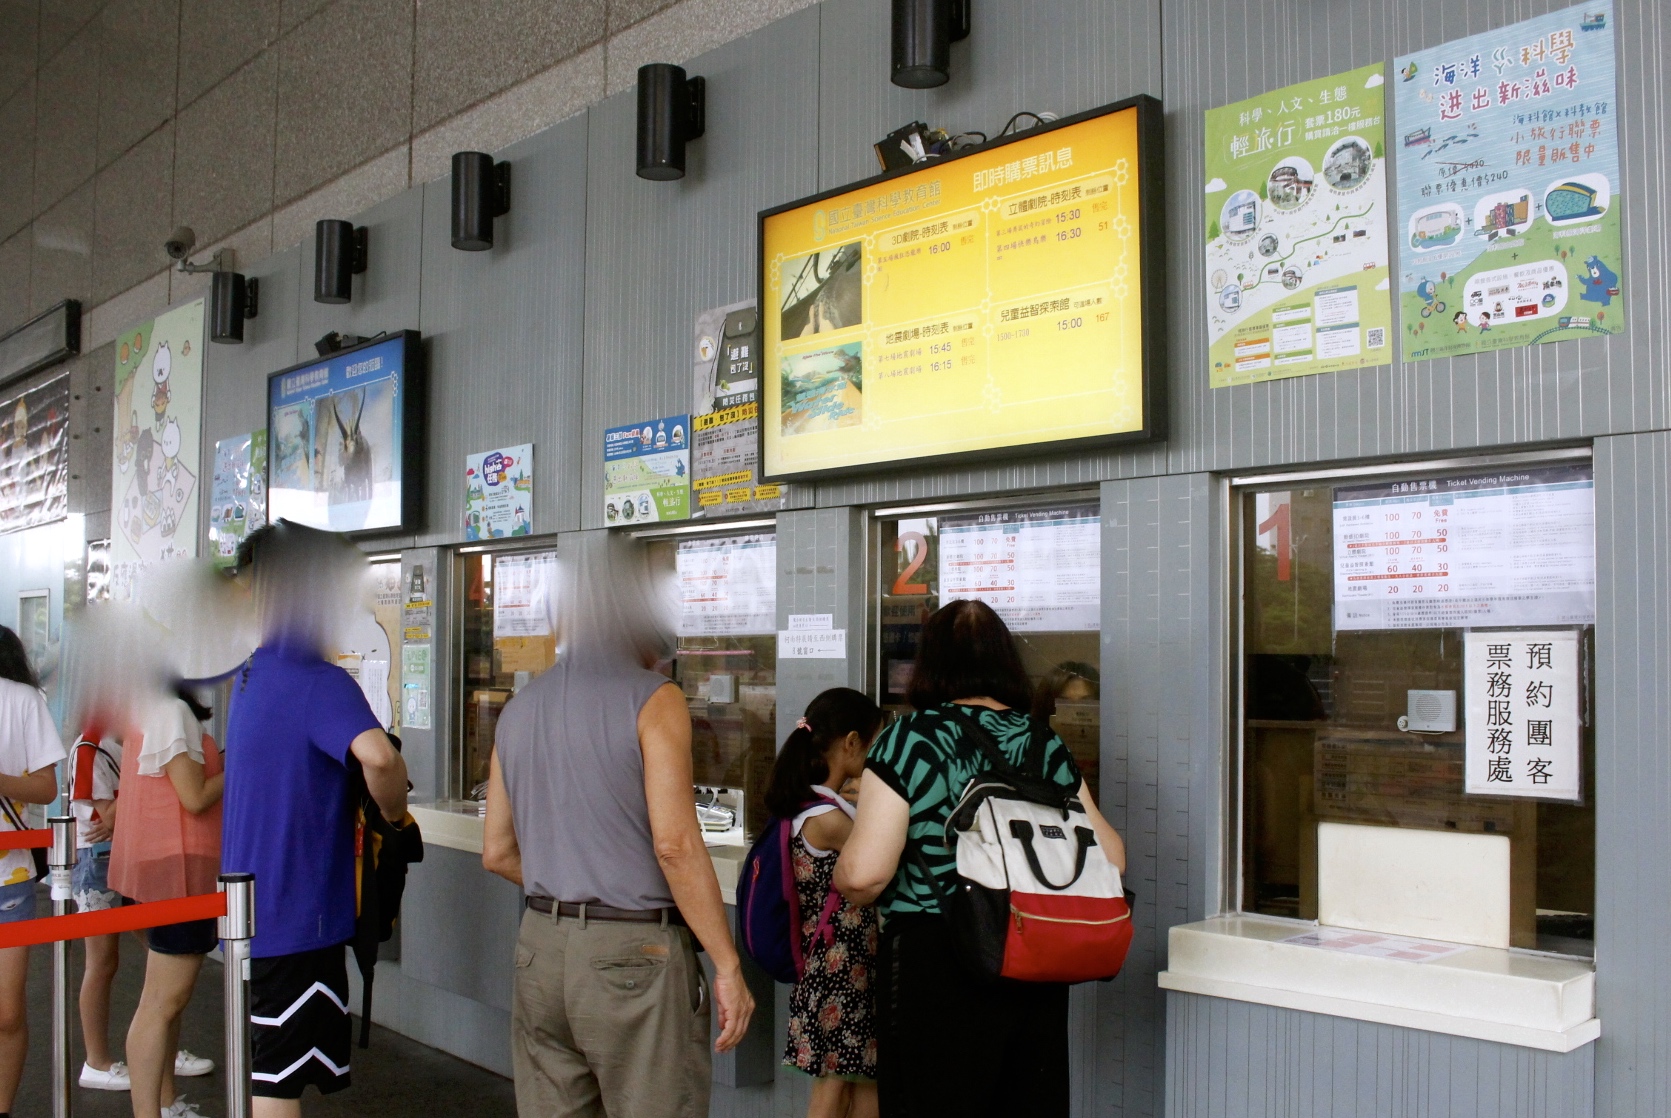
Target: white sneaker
(180,1108)
(188,1065)
(115,1079)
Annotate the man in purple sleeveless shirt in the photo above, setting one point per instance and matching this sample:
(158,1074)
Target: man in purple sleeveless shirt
(590,810)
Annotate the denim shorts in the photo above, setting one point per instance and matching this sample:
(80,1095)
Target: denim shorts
(90,881)
(17,902)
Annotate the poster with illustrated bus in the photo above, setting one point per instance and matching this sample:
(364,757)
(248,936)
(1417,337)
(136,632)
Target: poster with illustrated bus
(1508,187)
(1297,261)
(156,430)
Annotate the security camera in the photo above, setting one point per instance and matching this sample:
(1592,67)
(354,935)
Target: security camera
(180,243)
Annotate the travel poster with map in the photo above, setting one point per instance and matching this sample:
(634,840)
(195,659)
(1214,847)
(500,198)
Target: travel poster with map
(1297,261)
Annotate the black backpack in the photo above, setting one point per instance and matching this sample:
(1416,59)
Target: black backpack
(383,851)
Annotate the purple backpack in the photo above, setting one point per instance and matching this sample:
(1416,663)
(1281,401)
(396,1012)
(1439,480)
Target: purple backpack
(769,906)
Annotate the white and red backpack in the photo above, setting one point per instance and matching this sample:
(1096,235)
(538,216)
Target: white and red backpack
(1036,897)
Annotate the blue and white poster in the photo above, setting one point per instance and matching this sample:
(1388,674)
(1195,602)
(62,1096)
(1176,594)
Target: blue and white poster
(646,471)
(336,432)
(1508,187)
(499,493)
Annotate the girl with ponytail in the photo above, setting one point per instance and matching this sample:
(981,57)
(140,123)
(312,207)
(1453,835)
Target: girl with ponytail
(831,1018)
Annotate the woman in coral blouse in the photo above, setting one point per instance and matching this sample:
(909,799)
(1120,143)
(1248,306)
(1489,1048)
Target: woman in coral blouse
(167,845)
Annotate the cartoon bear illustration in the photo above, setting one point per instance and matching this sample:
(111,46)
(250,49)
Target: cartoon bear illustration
(161,365)
(1599,282)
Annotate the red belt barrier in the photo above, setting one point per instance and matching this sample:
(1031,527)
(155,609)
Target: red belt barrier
(104,922)
(25,840)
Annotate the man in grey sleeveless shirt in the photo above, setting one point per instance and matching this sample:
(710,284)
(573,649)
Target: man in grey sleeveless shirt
(590,810)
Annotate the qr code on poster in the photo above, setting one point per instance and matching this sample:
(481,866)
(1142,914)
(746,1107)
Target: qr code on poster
(1377,337)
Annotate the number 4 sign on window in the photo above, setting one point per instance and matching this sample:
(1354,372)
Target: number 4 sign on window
(1523,714)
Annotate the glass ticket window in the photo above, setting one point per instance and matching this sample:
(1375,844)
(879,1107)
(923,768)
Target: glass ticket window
(1039,567)
(725,661)
(1418,652)
(505,639)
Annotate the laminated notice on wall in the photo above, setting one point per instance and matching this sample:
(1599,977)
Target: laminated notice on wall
(1039,569)
(812,644)
(1523,714)
(728,587)
(1511,548)
(522,589)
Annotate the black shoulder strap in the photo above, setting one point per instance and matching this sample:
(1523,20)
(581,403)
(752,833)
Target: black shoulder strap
(982,739)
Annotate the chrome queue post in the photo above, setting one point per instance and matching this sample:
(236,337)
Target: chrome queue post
(60,863)
(237,928)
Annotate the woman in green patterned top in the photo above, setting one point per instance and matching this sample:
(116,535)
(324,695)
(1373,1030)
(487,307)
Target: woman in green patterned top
(950,1041)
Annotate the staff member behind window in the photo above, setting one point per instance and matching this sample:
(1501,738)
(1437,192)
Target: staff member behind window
(590,809)
(950,1042)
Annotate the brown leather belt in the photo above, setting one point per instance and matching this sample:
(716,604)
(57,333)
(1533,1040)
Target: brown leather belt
(604,912)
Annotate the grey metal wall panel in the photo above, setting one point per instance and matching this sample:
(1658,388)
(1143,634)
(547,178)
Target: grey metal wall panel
(659,252)
(1633,777)
(1158,734)
(386,294)
(504,333)
(820,558)
(92,375)
(458,927)
(235,376)
(1229,1059)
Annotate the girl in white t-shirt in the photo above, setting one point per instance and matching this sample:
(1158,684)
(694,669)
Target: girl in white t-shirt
(29,748)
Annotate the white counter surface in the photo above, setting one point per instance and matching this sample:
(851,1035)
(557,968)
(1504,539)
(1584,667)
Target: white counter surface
(457,825)
(1512,997)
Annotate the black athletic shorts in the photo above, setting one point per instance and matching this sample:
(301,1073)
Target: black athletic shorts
(299,1027)
(190,937)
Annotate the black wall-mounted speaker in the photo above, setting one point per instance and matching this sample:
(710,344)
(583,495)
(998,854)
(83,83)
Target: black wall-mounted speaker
(481,192)
(339,255)
(672,110)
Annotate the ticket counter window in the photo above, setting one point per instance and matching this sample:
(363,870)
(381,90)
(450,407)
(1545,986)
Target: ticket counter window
(1039,568)
(505,640)
(725,661)
(1418,653)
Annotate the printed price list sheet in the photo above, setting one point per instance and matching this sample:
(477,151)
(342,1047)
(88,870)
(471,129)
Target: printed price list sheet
(1501,549)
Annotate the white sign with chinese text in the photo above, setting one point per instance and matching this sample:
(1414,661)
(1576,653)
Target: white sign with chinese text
(812,644)
(1523,714)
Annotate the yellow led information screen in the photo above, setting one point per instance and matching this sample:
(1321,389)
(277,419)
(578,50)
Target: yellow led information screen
(981,304)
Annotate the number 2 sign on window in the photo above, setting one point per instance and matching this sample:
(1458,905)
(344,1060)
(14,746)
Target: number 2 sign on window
(915,556)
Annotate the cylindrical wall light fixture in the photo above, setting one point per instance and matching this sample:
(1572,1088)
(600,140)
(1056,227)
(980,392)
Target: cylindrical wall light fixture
(232,298)
(481,192)
(923,34)
(339,255)
(672,109)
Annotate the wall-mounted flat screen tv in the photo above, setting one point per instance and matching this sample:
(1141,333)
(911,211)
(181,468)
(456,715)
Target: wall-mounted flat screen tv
(998,302)
(344,435)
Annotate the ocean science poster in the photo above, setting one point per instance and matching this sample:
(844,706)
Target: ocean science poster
(1297,257)
(1508,187)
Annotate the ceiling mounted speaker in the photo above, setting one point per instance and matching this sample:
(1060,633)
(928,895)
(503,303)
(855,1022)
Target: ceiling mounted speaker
(481,192)
(672,110)
(232,298)
(339,255)
(923,34)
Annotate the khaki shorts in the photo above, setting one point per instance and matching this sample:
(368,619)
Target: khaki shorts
(608,1019)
